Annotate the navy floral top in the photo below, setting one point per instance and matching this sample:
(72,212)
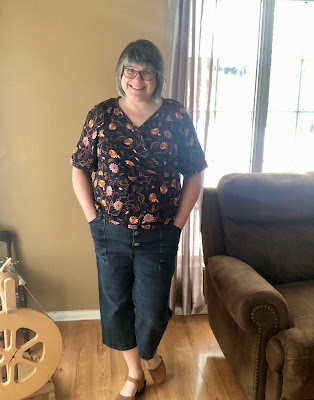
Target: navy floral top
(137,169)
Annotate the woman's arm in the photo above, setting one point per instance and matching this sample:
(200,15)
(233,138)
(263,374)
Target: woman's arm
(189,195)
(83,189)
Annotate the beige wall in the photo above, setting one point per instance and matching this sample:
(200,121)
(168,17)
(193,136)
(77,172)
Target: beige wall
(57,60)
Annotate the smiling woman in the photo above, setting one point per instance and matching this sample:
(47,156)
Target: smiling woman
(138,145)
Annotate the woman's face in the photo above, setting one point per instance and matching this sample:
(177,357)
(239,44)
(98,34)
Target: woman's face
(136,89)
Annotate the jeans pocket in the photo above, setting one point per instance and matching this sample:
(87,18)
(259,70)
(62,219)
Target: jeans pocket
(169,242)
(97,228)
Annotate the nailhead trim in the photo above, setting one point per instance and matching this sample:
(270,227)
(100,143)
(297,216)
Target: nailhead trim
(259,339)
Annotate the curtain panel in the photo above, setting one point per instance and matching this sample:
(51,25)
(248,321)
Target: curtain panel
(189,76)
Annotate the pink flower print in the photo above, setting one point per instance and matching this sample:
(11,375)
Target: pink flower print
(114,222)
(109,191)
(85,141)
(148,218)
(118,205)
(98,152)
(167,134)
(149,171)
(94,135)
(117,111)
(114,168)
(71,161)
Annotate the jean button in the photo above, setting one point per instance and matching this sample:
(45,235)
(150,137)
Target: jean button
(135,233)
(136,244)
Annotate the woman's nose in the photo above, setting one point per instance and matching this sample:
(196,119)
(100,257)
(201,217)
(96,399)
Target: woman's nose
(138,77)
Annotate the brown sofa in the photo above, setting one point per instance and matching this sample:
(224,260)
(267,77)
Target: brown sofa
(258,243)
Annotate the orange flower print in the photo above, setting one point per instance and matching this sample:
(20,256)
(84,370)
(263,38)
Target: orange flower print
(152,197)
(101,133)
(113,154)
(163,189)
(173,183)
(128,141)
(130,163)
(155,131)
(179,116)
(163,145)
(109,110)
(91,123)
(100,173)
(75,150)
(183,110)
(103,203)
(129,126)
(146,226)
(191,141)
(133,220)
(95,182)
(101,183)
(175,201)
(112,126)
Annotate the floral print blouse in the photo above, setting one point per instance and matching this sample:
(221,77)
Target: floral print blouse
(137,169)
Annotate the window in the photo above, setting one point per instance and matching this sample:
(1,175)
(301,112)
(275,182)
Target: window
(262,97)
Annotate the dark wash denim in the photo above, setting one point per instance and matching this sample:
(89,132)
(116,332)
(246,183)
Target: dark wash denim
(135,268)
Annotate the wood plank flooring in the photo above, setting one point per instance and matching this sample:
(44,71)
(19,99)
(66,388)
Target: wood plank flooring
(196,368)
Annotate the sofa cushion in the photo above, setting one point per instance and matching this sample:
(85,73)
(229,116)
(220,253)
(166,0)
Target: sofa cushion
(268,222)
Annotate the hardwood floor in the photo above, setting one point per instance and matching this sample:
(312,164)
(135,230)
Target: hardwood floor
(196,368)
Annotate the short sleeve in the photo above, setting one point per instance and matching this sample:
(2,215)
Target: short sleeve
(191,156)
(84,155)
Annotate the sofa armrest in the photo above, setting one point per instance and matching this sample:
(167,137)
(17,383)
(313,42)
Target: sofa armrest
(251,300)
(291,354)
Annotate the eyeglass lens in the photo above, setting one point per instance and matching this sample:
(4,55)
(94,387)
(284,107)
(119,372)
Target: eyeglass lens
(131,73)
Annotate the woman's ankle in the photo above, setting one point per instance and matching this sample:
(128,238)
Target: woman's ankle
(136,373)
(154,362)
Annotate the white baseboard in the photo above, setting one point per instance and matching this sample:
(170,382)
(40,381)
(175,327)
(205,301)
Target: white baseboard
(75,315)
(84,315)
(204,310)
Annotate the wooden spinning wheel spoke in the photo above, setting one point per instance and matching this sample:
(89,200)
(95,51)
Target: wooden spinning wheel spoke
(10,372)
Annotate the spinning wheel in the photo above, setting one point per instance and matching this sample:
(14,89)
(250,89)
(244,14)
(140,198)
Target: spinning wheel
(25,367)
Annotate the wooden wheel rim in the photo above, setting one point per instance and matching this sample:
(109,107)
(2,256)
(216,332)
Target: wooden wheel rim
(47,333)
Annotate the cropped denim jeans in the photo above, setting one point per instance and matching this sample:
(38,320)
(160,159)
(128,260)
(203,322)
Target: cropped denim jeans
(135,268)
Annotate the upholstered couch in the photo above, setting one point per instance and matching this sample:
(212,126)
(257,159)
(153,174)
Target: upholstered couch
(258,243)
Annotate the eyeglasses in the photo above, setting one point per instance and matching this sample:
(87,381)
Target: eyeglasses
(131,73)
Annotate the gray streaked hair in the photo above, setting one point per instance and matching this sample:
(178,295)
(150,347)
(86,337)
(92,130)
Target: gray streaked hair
(145,53)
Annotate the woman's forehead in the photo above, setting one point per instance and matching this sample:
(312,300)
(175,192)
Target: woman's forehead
(137,66)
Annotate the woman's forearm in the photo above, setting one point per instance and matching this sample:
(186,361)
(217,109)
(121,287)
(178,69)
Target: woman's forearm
(83,189)
(189,195)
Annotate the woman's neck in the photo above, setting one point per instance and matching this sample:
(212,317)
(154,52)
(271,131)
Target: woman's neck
(138,112)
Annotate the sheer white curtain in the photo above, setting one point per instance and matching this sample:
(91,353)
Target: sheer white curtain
(189,77)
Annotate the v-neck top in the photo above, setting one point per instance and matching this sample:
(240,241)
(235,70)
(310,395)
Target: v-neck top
(137,169)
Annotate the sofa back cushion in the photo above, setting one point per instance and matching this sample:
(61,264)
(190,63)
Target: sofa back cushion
(268,222)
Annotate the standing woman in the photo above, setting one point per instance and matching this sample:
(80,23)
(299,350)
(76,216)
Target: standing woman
(138,145)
